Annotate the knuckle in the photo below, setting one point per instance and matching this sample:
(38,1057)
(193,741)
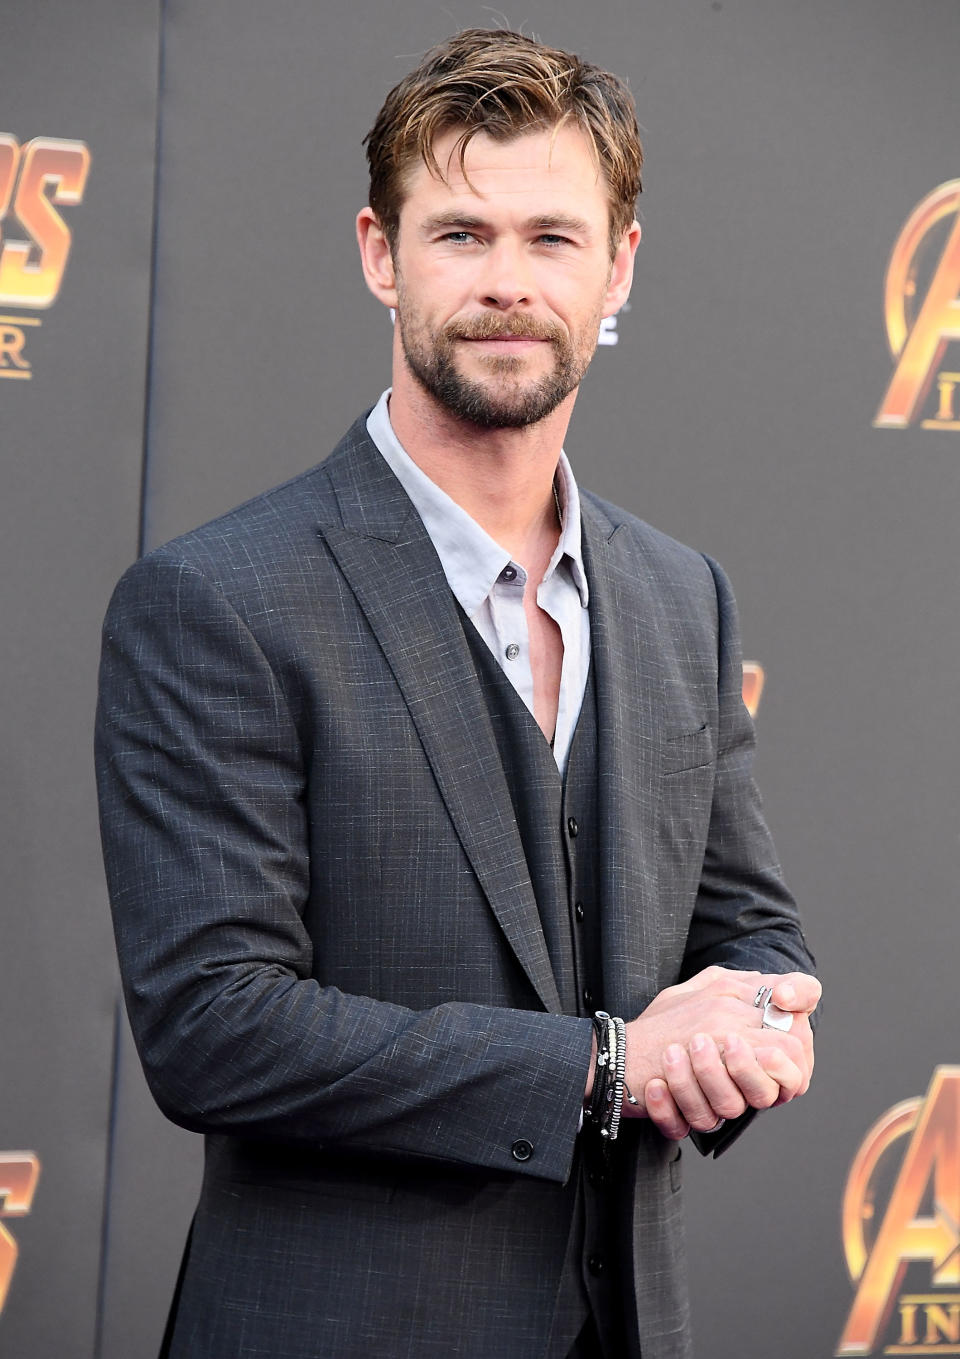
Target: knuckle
(730,1107)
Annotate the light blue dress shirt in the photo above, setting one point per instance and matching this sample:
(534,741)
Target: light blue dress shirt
(489,585)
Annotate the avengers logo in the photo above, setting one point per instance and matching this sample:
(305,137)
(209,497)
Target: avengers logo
(922,306)
(35,240)
(19,1172)
(901,1227)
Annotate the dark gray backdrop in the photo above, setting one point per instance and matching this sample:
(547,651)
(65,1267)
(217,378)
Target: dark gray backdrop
(786,146)
(71,440)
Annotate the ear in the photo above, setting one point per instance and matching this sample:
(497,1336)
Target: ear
(621,272)
(376,258)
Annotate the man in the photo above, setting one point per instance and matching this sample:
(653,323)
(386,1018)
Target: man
(413,765)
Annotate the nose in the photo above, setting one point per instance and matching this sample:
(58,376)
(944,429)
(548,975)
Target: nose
(506,280)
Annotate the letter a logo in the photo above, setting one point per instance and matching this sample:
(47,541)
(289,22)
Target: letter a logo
(919,347)
(922,1219)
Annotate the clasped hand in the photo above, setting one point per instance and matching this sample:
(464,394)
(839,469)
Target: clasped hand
(699,1054)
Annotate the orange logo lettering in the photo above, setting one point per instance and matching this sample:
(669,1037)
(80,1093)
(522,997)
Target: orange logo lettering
(753,678)
(919,331)
(33,179)
(19,1172)
(921,1224)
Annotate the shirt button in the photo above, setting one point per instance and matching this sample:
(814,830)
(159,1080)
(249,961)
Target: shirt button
(512,652)
(587,997)
(573,827)
(596,1264)
(578,911)
(521,1150)
(508,573)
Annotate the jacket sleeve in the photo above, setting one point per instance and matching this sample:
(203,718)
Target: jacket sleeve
(202,777)
(745,916)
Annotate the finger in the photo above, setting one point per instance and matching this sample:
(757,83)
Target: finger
(720,1089)
(796,1046)
(759,1088)
(791,1078)
(685,1088)
(797,991)
(662,1110)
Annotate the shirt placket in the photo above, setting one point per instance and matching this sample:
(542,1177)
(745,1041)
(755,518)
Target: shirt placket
(510,627)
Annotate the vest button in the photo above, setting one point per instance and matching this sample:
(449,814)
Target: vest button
(521,1150)
(578,911)
(573,827)
(588,997)
(512,652)
(596,1264)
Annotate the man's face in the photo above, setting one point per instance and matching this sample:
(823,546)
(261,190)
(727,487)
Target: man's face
(502,281)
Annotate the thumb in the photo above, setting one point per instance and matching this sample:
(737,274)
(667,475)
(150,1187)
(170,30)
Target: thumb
(797,992)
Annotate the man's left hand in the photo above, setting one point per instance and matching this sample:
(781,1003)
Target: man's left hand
(717,1079)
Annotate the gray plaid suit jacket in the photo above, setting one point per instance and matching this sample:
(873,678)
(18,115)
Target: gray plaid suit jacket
(331,952)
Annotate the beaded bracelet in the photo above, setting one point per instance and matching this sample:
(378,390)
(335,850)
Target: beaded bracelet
(620,1031)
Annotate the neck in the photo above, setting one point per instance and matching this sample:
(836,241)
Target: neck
(503,478)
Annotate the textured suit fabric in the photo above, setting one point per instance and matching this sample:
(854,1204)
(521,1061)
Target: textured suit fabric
(562,867)
(331,952)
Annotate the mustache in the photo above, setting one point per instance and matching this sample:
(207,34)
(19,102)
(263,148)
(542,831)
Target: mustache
(489,327)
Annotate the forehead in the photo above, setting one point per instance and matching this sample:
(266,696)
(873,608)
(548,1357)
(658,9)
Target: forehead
(549,167)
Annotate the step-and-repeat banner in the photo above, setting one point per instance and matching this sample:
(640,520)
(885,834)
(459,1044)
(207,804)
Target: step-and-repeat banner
(183,323)
(78,113)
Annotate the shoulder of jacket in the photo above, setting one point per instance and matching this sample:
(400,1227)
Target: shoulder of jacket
(650,542)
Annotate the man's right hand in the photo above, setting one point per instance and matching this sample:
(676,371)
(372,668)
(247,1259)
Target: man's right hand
(699,1053)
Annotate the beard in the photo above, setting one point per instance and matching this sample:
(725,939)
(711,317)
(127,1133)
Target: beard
(505,400)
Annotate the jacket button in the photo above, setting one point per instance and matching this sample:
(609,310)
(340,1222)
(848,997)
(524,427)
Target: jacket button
(596,1264)
(578,911)
(521,1150)
(588,997)
(573,827)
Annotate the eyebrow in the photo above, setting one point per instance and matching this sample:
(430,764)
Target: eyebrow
(466,221)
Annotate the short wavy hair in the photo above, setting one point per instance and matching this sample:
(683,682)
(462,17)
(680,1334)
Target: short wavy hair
(503,84)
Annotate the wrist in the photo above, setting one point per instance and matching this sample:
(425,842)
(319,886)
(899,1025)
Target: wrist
(588,1088)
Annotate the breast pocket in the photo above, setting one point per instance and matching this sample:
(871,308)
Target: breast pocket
(690,750)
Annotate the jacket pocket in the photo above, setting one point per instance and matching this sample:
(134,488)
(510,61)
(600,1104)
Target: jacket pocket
(690,750)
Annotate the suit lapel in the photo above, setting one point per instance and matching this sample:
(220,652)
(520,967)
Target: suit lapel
(393,570)
(630,704)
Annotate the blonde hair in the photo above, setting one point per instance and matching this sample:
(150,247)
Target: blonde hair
(502,84)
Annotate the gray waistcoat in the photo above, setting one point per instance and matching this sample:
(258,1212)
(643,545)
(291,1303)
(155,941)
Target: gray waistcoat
(557,820)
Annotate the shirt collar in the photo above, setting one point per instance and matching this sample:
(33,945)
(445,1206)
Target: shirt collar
(470,558)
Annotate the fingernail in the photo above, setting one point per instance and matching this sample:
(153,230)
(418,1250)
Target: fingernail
(698,1043)
(788,993)
(654,1092)
(731,1043)
(673,1054)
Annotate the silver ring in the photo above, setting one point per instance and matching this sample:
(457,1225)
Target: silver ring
(775,1018)
(763,996)
(717,1126)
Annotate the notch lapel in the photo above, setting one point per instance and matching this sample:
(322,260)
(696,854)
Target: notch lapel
(392,568)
